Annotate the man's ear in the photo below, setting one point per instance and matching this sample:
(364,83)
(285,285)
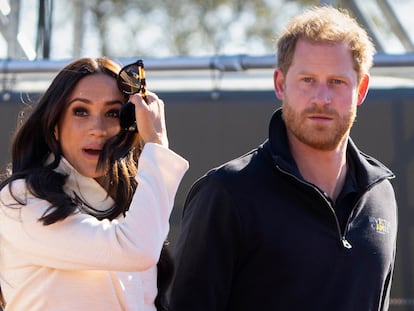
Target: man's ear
(363,89)
(279,83)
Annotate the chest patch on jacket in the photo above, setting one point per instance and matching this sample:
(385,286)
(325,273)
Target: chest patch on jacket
(380,225)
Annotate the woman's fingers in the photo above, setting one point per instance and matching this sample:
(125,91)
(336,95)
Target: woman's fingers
(150,118)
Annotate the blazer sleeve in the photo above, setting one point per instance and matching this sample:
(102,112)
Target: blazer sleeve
(81,241)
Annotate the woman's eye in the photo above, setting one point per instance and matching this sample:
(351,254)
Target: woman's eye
(81,112)
(114,113)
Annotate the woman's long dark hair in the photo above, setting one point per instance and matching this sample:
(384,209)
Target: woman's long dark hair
(34,143)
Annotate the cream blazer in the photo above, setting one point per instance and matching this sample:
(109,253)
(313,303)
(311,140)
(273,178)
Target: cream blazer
(82,263)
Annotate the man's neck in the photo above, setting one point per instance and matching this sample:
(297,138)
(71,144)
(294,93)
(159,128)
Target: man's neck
(325,169)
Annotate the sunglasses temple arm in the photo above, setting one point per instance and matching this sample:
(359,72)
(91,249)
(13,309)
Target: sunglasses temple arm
(141,72)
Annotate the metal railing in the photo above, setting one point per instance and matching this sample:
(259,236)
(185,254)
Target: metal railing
(220,62)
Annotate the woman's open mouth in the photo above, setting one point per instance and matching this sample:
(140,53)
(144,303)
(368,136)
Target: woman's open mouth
(92,152)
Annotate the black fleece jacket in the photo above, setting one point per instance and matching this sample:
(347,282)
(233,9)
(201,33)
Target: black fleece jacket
(257,236)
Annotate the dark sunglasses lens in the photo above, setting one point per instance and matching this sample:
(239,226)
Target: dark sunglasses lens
(127,117)
(129,81)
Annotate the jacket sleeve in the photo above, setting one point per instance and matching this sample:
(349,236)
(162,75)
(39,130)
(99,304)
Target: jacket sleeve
(83,242)
(206,250)
(386,293)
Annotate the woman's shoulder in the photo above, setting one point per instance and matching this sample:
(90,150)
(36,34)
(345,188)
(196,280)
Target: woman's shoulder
(18,203)
(14,192)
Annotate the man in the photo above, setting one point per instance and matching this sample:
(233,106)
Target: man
(305,221)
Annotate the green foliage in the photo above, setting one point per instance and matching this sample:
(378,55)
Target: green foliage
(183,27)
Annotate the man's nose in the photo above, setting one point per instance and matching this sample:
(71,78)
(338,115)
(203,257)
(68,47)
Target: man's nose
(323,93)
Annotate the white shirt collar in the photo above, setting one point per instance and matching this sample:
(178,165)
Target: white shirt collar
(86,188)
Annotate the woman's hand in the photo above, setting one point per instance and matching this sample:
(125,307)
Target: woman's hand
(150,118)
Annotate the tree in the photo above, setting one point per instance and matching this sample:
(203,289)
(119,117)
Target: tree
(184,27)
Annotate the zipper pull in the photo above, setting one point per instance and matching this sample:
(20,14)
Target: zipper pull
(345,243)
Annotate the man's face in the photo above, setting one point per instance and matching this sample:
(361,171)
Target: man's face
(320,94)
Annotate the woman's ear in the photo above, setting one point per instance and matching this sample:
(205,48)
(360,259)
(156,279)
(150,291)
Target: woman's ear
(56,133)
(279,83)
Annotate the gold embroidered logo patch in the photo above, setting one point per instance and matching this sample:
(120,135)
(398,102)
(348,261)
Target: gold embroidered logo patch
(380,225)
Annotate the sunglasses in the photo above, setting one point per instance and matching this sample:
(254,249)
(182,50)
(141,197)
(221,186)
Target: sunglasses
(131,80)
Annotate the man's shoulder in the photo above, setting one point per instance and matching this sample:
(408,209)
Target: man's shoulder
(247,163)
(236,173)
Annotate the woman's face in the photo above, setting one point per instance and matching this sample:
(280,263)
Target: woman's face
(90,119)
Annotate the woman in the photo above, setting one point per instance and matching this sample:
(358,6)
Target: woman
(81,228)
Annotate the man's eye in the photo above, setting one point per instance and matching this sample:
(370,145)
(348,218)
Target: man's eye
(336,81)
(308,80)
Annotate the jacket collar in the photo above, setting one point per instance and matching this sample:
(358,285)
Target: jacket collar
(368,169)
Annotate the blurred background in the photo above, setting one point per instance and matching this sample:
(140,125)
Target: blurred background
(38,29)
(212,62)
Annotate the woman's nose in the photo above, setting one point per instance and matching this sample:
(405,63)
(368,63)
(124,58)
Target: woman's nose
(98,126)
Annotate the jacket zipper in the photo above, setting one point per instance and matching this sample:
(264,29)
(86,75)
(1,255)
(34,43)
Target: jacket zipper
(344,241)
(342,236)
